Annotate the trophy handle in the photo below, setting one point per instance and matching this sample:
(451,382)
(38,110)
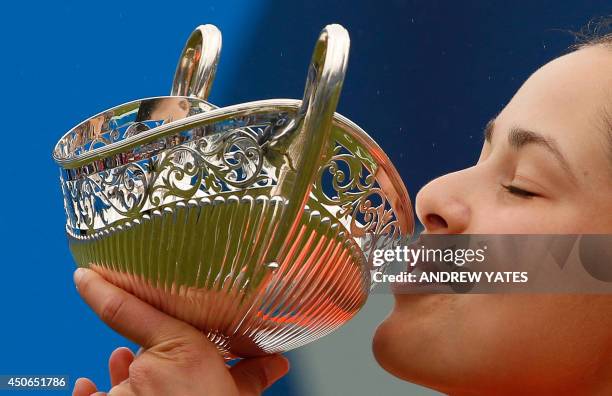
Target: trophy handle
(302,144)
(197,64)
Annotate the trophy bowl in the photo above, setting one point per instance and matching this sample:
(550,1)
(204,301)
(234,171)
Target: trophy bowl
(254,222)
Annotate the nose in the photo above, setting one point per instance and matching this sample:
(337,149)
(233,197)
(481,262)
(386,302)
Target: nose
(442,205)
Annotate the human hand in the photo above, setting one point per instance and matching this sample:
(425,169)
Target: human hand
(176,359)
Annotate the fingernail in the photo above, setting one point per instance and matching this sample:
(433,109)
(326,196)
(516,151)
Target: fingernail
(78,275)
(276,367)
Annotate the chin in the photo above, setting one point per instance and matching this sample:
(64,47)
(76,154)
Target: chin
(386,349)
(404,343)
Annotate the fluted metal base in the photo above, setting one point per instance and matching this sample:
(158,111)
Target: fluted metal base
(202,262)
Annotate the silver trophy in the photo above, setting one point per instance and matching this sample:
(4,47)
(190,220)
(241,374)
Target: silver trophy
(254,222)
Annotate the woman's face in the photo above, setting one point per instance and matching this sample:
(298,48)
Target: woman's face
(545,167)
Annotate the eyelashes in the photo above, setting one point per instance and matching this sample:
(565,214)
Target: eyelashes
(519,192)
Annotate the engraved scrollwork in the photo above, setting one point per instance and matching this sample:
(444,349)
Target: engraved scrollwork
(373,219)
(212,164)
(177,173)
(347,187)
(122,190)
(237,158)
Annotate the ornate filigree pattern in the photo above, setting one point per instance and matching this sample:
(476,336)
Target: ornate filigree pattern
(347,187)
(210,165)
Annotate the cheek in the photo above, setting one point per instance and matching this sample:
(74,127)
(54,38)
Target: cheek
(539,340)
(500,344)
(504,214)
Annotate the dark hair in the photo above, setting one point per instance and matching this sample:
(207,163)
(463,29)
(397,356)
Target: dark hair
(597,32)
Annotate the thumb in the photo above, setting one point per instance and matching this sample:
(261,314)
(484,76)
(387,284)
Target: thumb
(253,376)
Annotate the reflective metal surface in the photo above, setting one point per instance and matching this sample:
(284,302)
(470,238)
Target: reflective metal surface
(253,222)
(195,71)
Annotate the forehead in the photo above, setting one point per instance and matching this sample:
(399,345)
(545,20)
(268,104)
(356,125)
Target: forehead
(568,100)
(574,88)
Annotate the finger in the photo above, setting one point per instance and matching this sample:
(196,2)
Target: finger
(119,365)
(252,376)
(128,315)
(123,389)
(84,387)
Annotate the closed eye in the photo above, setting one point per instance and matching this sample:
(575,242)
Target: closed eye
(519,191)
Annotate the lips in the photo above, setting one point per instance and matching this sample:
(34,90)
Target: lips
(431,267)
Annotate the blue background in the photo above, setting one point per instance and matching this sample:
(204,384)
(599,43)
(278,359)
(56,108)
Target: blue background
(423,79)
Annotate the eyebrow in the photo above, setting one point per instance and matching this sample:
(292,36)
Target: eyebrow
(520,137)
